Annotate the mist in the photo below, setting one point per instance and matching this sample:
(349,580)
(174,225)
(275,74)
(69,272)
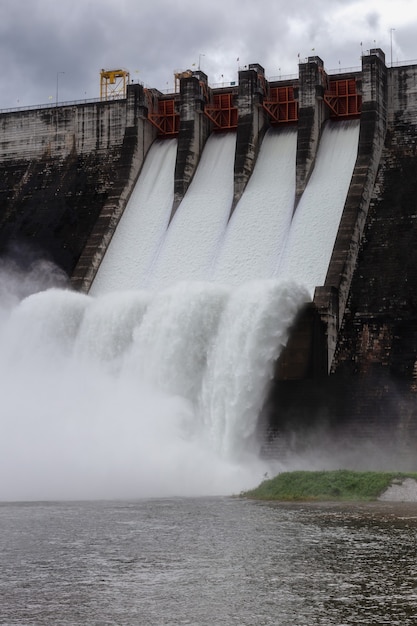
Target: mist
(133,394)
(83,417)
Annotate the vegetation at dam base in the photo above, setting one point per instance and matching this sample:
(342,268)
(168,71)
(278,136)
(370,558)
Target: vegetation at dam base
(326,485)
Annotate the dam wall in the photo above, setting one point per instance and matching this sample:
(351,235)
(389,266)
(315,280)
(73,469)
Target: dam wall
(377,344)
(369,295)
(68,171)
(331,298)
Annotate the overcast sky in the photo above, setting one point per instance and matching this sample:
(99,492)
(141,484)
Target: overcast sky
(65,43)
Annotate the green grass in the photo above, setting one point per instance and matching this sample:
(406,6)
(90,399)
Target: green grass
(331,485)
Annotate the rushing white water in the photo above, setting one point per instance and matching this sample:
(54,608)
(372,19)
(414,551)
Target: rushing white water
(194,235)
(142,227)
(252,332)
(258,228)
(314,227)
(130,393)
(133,394)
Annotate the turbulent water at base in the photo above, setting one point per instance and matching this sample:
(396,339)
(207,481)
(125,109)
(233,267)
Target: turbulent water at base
(153,384)
(137,394)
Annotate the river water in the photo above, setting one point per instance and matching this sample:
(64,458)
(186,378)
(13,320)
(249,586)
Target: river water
(207,561)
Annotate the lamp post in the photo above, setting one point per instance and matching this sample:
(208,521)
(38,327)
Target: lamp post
(57,83)
(199,60)
(391,31)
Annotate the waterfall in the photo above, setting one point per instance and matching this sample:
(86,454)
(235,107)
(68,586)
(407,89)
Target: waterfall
(136,393)
(153,383)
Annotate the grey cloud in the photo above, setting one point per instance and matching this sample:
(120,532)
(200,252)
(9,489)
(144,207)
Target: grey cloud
(40,38)
(373,20)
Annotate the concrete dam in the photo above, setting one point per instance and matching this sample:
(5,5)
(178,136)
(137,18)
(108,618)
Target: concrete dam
(310,179)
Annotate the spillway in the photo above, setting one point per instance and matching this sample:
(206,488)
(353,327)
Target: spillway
(313,229)
(214,321)
(167,383)
(255,237)
(128,259)
(194,235)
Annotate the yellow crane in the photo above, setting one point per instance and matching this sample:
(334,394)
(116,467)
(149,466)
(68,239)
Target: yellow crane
(113,84)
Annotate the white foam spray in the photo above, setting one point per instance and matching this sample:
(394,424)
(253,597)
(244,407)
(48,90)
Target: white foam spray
(101,405)
(253,330)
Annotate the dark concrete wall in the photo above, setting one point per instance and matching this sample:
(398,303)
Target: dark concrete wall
(193,133)
(312,113)
(377,346)
(66,173)
(252,124)
(373,124)
(370,296)
(137,139)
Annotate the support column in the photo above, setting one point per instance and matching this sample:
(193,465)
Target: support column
(326,301)
(193,132)
(371,141)
(312,113)
(252,123)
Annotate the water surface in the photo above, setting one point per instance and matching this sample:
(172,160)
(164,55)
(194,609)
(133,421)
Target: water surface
(207,561)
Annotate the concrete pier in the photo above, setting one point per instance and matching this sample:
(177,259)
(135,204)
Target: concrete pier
(311,115)
(194,130)
(252,123)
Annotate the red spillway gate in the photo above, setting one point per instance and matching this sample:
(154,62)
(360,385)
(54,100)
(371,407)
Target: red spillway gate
(222,111)
(341,96)
(281,105)
(343,99)
(164,116)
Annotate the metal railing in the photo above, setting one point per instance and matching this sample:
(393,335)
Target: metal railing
(281,77)
(401,63)
(54,105)
(232,83)
(344,70)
